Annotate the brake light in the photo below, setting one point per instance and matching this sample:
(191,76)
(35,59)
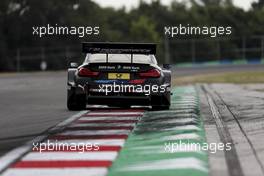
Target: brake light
(153,73)
(85,72)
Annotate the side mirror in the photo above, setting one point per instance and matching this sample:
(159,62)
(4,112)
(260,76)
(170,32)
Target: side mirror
(73,65)
(167,66)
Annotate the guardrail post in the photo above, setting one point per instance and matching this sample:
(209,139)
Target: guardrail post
(193,50)
(244,48)
(167,51)
(18,60)
(218,50)
(262,47)
(43,63)
(42,53)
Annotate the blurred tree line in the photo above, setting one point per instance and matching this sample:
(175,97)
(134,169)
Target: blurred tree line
(142,24)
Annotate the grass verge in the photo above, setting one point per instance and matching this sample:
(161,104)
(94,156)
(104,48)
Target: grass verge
(230,77)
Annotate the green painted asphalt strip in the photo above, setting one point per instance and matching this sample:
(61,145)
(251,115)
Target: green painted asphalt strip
(166,142)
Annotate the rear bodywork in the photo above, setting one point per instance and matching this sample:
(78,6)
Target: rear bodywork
(119,83)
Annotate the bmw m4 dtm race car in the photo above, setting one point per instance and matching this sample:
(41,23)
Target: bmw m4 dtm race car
(118,74)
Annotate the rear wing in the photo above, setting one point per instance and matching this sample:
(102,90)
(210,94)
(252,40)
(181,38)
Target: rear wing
(118,48)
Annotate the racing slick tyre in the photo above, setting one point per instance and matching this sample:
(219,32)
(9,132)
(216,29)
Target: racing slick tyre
(160,107)
(75,102)
(161,102)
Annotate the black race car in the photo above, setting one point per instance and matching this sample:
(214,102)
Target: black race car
(119,74)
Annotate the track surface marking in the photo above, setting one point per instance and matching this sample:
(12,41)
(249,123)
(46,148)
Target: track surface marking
(88,146)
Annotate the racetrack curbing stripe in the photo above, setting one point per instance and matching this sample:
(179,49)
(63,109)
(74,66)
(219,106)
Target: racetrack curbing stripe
(104,133)
(147,151)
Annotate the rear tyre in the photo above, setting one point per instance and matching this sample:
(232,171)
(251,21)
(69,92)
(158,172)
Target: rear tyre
(161,102)
(160,107)
(75,102)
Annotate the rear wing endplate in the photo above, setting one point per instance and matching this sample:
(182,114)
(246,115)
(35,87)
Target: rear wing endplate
(118,48)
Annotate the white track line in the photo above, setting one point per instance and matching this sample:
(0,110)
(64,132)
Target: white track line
(182,136)
(115,113)
(94,132)
(179,148)
(185,127)
(168,164)
(64,156)
(180,120)
(109,118)
(56,172)
(101,124)
(14,154)
(106,142)
(69,120)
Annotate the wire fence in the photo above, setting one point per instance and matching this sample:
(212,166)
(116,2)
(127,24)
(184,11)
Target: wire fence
(215,49)
(43,58)
(174,51)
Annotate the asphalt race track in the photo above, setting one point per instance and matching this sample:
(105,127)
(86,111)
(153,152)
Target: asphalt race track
(30,104)
(235,114)
(131,141)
